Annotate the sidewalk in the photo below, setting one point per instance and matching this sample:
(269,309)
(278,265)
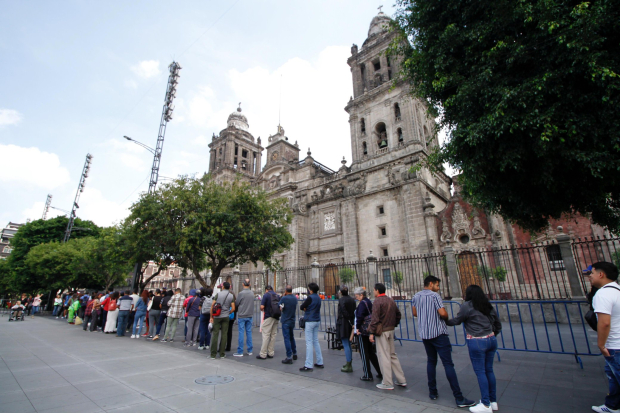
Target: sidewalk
(47,365)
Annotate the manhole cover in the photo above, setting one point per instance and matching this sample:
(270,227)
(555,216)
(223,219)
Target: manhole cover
(213,380)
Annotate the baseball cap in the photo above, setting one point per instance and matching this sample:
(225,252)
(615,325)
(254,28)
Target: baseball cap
(587,270)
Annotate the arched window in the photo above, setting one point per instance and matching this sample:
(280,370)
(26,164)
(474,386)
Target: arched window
(363,126)
(396,112)
(364,148)
(399,132)
(381,135)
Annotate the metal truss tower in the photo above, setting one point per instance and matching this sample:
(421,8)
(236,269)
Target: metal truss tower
(80,189)
(166,116)
(48,203)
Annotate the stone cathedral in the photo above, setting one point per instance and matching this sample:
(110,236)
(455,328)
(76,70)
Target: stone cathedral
(375,203)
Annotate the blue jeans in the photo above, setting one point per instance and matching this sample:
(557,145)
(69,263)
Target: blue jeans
(441,346)
(312,340)
(481,352)
(35,309)
(56,309)
(289,338)
(123,316)
(203,330)
(346,344)
(245,325)
(139,318)
(160,322)
(612,369)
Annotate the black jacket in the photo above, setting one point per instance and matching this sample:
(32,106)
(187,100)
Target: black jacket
(346,316)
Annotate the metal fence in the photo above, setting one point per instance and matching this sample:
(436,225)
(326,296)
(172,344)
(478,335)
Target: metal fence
(402,276)
(525,272)
(587,251)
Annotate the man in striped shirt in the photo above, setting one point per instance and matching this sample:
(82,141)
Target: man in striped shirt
(428,307)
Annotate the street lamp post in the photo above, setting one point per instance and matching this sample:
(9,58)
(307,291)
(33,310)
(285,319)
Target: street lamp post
(80,189)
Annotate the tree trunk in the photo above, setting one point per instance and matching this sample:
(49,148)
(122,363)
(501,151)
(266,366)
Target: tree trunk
(199,278)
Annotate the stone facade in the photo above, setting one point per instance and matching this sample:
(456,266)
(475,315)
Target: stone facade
(375,203)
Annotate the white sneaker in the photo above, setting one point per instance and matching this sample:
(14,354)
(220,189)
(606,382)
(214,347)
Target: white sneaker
(604,409)
(207,347)
(480,408)
(200,348)
(133,336)
(494,406)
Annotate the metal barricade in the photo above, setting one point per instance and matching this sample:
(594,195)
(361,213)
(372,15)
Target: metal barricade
(555,327)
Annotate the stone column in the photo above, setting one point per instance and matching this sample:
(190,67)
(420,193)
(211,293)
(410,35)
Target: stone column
(372,268)
(453,275)
(349,229)
(571,268)
(315,270)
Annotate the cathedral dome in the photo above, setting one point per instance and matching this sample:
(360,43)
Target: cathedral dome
(379,24)
(238,120)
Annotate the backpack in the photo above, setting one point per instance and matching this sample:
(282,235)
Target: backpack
(276,311)
(217,308)
(206,305)
(112,306)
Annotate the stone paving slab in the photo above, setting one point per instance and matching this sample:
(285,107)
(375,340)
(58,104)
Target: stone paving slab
(49,366)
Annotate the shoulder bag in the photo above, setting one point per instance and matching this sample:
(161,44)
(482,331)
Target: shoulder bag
(366,323)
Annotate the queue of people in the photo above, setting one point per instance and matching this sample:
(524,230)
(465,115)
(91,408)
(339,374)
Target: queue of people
(209,319)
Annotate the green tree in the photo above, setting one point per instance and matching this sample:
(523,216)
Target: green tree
(528,92)
(199,223)
(34,233)
(59,265)
(105,258)
(398,278)
(346,275)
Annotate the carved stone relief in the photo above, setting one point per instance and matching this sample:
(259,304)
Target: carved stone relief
(329,221)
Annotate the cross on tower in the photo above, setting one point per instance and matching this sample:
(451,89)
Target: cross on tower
(379,8)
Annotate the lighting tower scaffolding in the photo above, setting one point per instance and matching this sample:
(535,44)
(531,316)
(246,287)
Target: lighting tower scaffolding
(166,116)
(48,203)
(80,189)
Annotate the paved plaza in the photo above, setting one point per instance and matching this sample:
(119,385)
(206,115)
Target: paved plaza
(49,366)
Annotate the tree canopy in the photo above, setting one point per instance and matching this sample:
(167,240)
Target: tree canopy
(528,92)
(20,276)
(199,223)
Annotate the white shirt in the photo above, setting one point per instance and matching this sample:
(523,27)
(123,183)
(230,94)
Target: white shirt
(607,301)
(135,298)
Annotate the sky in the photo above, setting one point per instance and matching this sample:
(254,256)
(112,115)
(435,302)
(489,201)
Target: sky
(76,76)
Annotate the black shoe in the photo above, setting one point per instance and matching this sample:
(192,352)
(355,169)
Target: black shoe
(261,358)
(466,403)
(366,378)
(319,366)
(433,396)
(287,361)
(380,376)
(269,357)
(304,368)
(294,356)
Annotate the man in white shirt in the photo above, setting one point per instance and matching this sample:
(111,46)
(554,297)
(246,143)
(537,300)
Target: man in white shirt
(606,305)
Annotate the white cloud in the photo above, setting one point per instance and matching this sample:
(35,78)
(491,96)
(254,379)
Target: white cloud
(314,94)
(31,166)
(95,207)
(9,117)
(201,141)
(146,69)
(130,154)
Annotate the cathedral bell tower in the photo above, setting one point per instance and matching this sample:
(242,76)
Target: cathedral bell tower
(383,117)
(234,151)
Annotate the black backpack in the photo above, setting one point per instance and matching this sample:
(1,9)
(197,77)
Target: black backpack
(276,312)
